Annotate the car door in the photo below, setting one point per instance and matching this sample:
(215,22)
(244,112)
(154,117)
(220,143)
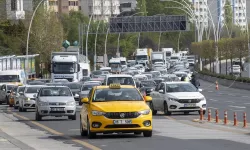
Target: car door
(156,97)
(85,110)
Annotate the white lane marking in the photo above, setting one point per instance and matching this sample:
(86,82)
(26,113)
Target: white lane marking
(3,140)
(212,108)
(229,101)
(74,129)
(210,91)
(213,100)
(241,107)
(235,110)
(245,96)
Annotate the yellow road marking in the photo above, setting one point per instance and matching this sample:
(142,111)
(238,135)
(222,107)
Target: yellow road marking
(200,126)
(83,143)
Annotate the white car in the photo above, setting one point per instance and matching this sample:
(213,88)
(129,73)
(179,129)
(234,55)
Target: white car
(140,67)
(26,99)
(177,97)
(55,101)
(180,74)
(140,77)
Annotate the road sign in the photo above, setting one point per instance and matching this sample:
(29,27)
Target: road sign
(66,44)
(147,24)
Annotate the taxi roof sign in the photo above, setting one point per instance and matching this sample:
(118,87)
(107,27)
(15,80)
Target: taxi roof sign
(115,86)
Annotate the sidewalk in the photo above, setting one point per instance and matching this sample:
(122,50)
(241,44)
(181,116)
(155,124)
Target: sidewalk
(15,135)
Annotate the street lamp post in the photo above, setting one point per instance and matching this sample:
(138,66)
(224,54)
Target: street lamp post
(28,38)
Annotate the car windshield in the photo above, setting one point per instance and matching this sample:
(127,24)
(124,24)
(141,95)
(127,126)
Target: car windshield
(97,72)
(123,94)
(74,86)
(121,80)
(9,87)
(9,78)
(149,76)
(141,57)
(158,81)
(156,74)
(170,88)
(36,83)
(148,83)
(181,75)
(21,89)
(174,58)
(88,87)
(55,91)
(32,89)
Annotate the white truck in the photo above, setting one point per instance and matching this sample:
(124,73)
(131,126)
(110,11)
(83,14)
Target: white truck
(115,64)
(168,51)
(69,65)
(142,56)
(123,60)
(157,57)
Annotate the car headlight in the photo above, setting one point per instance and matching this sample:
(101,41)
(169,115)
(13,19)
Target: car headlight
(40,103)
(173,99)
(202,99)
(27,98)
(97,113)
(144,112)
(71,103)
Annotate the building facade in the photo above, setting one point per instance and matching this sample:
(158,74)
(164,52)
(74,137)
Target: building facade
(127,5)
(239,12)
(201,12)
(13,9)
(64,6)
(100,9)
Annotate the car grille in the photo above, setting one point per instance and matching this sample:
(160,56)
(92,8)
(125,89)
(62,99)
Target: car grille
(189,100)
(123,126)
(57,104)
(121,115)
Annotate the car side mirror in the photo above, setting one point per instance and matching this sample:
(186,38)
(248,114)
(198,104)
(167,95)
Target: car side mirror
(85,100)
(161,91)
(147,98)
(200,90)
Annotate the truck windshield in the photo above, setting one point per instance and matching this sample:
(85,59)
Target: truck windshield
(64,68)
(123,62)
(168,53)
(142,57)
(9,78)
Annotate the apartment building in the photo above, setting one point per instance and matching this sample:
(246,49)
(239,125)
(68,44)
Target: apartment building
(239,12)
(64,6)
(100,9)
(13,9)
(201,12)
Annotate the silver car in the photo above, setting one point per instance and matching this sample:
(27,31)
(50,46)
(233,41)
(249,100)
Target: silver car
(26,99)
(55,101)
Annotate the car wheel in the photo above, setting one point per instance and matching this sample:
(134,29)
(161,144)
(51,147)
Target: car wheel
(204,112)
(152,108)
(147,133)
(83,132)
(91,135)
(24,109)
(80,103)
(166,112)
(0,103)
(38,116)
(73,117)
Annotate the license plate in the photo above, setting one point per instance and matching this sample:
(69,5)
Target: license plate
(57,109)
(122,121)
(189,105)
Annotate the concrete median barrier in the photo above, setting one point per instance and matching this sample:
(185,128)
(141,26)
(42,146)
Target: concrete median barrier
(225,82)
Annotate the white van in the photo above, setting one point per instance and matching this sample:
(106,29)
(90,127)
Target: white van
(13,76)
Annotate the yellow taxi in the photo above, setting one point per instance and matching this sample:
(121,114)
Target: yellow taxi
(115,109)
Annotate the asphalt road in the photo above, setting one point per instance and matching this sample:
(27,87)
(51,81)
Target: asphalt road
(168,134)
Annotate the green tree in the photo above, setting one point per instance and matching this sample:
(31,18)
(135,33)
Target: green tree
(46,34)
(142,7)
(228,15)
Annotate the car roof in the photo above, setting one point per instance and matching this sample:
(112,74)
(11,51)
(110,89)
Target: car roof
(122,86)
(118,75)
(177,82)
(35,85)
(54,86)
